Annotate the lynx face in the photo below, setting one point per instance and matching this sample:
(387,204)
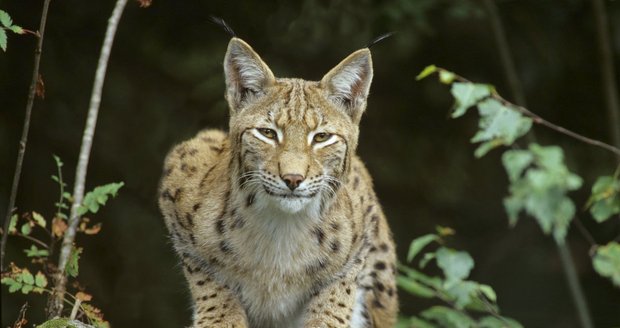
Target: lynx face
(294,137)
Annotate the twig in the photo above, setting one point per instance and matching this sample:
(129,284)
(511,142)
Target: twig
(542,121)
(607,71)
(56,305)
(26,127)
(539,120)
(504,53)
(586,234)
(21,319)
(61,183)
(575,287)
(75,309)
(33,240)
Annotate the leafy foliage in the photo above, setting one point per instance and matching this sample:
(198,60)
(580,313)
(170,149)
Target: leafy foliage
(468,95)
(605,199)
(606,262)
(73,267)
(34,251)
(7,24)
(463,296)
(98,197)
(539,183)
(500,125)
(22,280)
(30,225)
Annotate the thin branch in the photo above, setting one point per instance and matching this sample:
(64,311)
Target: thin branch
(542,121)
(26,127)
(56,305)
(575,287)
(75,309)
(504,53)
(539,120)
(585,233)
(608,71)
(42,244)
(21,319)
(61,183)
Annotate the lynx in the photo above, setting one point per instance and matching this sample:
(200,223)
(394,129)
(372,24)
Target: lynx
(276,222)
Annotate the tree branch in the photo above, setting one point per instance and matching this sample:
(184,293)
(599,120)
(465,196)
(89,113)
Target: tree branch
(26,127)
(607,72)
(508,63)
(539,120)
(542,121)
(56,305)
(572,280)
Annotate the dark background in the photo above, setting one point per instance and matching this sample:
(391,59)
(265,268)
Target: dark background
(165,83)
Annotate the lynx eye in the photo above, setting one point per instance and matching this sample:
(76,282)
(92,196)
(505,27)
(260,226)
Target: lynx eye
(268,133)
(321,137)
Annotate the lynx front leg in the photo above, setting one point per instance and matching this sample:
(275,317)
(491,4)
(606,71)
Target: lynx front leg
(215,305)
(333,306)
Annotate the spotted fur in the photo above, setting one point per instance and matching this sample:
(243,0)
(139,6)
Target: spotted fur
(259,250)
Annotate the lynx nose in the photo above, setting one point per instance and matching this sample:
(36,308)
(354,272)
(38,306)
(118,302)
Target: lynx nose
(292,180)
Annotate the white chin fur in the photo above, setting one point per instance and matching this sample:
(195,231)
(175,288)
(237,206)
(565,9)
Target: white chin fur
(284,207)
(291,205)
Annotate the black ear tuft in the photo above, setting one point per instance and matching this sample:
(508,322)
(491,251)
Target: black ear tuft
(380,38)
(221,23)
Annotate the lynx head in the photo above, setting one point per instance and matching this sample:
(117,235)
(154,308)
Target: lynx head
(293,139)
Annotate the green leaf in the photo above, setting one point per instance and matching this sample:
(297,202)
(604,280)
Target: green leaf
(540,189)
(13,284)
(26,228)
(498,125)
(5,19)
(456,265)
(58,323)
(58,161)
(419,243)
(17,29)
(467,95)
(38,218)
(501,322)
(413,322)
(2,39)
(27,277)
(40,280)
(605,199)
(462,292)
(13,224)
(72,268)
(488,291)
(34,251)
(447,317)
(515,162)
(27,289)
(433,282)
(606,262)
(477,304)
(426,258)
(446,77)
(428,70)
(414,287)
(98,196)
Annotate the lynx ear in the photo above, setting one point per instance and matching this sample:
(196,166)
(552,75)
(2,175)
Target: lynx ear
(348,83)
(246,74)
